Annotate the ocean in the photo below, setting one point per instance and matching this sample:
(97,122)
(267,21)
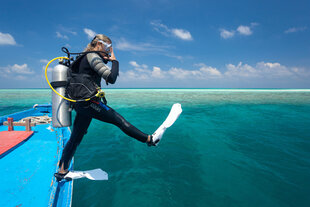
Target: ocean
(229,147)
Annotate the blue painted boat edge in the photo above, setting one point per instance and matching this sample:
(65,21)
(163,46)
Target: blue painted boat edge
(61,192)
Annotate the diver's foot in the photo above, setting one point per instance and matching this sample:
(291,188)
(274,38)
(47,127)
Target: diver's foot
(152,141)
(157,135)
(60,176)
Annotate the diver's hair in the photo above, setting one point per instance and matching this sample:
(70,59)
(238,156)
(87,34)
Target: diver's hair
(93,43)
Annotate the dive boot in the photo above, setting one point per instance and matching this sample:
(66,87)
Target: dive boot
(60,176)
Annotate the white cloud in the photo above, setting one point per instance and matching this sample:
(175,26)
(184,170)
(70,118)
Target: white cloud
(131,46)
(134,64)
(61,36)
(157,72)
(64,32)
(301,72)
(226,34)
(182,34)
(238,75)
(179,57)
(244,30)
(44,61)
(295,29)
(141,72)
(161,28)
(262,69)
(6,39)
(209,71)
(16,71)
(123,44)
(176,32)
(241,29)
(179,73)
(240,70)
(90,33)
(71,32)
(273,69)
(21,69)
(67,30)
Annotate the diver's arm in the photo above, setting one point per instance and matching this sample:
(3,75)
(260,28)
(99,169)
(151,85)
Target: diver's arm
(115,67)
(97,64)
(114,72)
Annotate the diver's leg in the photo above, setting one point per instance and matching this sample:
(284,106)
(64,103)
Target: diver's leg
(105,113)
(81,123)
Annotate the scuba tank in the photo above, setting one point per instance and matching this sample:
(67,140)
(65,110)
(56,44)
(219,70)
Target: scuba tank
(61,111)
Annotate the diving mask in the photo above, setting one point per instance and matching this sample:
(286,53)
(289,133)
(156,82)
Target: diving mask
(106,46)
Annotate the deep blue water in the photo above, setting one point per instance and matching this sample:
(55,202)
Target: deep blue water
(228,148)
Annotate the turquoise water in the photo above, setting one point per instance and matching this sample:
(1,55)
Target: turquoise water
(228,148)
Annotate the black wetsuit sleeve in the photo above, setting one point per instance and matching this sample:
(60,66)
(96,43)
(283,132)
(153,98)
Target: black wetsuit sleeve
(114,72)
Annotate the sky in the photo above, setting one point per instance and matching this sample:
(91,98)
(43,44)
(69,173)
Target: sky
(163,44)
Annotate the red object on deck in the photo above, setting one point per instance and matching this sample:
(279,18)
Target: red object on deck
(9,139)
(10,124)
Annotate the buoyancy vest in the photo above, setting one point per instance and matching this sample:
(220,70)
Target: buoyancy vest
(83,81)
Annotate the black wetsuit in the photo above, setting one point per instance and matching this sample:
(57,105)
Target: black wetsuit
(85,111)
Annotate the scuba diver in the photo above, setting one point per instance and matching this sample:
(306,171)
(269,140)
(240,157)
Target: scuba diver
(90,68)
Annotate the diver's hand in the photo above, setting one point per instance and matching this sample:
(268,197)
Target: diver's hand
(112,57)
(112,54)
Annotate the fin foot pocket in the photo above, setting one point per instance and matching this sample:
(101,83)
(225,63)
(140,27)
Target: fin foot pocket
(60,176)
(151,142)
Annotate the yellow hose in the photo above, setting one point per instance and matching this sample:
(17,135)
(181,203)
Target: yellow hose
(99,94)
(68,99)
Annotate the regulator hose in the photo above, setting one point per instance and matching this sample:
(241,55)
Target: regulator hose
(99,94)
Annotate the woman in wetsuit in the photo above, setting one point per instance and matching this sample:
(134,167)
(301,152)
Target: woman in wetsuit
(94,64)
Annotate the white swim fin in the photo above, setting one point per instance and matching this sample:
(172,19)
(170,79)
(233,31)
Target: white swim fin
(96,174)
(174,114)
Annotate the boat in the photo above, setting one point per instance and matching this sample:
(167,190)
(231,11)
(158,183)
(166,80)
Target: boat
(30,150)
